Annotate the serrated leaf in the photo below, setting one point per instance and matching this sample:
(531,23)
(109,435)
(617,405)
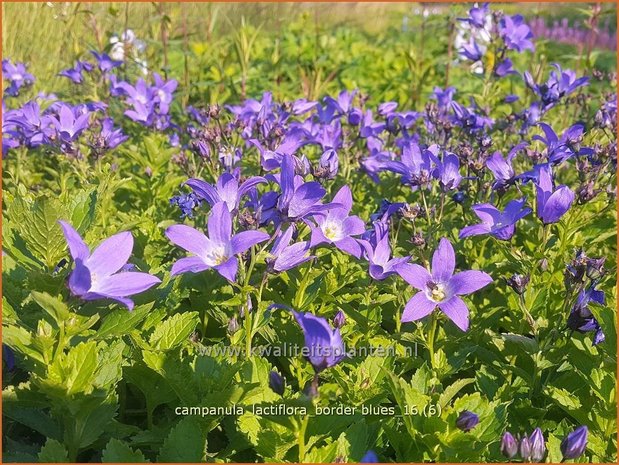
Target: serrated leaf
(119,452)
(174,331)
(185,443)
(54,452)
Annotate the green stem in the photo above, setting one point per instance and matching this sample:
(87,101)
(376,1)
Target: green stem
(301,438)
(431,337)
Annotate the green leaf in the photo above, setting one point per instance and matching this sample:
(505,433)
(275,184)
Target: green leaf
(53,452)
(119,452)
(174,331)
(52,305)
(185,443)
(121,322)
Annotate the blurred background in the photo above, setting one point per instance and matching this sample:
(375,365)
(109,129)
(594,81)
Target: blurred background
(230,49)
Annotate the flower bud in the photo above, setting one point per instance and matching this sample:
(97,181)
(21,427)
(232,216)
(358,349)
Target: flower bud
(595,268)
(369,457)
(518,283)
(459,197)
(339,320)
(509,445)
(575,443)
(277,383)
(538,445)
(467,421)
(525,449)
(233,325)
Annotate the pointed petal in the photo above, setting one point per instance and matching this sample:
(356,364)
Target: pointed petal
(317,237)
(220,224)
(469,281)
(349,245)
(557,204)
(77,246)
(188,265)
(204,190)
(474,230)
(125,284)
(79,281)
(353,225)
(457,312)
(228,269)
(344,197)
(415,275)
(443,261)
(417,307)
(244,240)
(304,198)
(111,254)
(188,238)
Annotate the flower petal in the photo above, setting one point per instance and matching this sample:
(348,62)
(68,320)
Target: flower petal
(79,281)
(228,269)
(125,284)
(188,238)
(220,224)
(305,198)
(469,281)
(415,275)
(110,255)
(443,261)
(457,311)
(204,190)
(77,246)
(417,307)
(349,245)
(474,230)
(557,205)
(188,265)
(244,240)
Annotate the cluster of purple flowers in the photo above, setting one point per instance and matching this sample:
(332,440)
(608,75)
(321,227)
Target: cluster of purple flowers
(561,31)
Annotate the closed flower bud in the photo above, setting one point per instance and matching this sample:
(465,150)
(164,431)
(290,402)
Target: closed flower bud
(459,197)
(538,445)
(575,443)
(339,320)
(509,445)
(525,449)
(518,283)
(595,267)
(467,421)
(277,383)
(418,240)
(233,325)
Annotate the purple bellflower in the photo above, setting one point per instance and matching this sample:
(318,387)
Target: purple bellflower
(581,319)
(378,253)
(324,345)
(110,137)
(448,172)
(552,203)
(559,149)
(96,275)
(575,443)
(559,84)
(70,122)
(17,75)
(477,16)
(226,190)
(298,199)
(337,227)
(500,224)
(440,287)
(369,457)
(502,168)
(104,62)
(516,34)
(471,50)
(75,73)
(216,251)
(538,445)
(284,256)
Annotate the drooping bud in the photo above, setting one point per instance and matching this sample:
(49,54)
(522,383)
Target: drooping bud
(277,383)
(575,443)
(233,325)
(467,421)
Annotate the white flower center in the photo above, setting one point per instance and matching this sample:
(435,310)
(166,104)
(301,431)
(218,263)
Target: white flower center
(216,256)
(17,77)
(436,291)
(332,230)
